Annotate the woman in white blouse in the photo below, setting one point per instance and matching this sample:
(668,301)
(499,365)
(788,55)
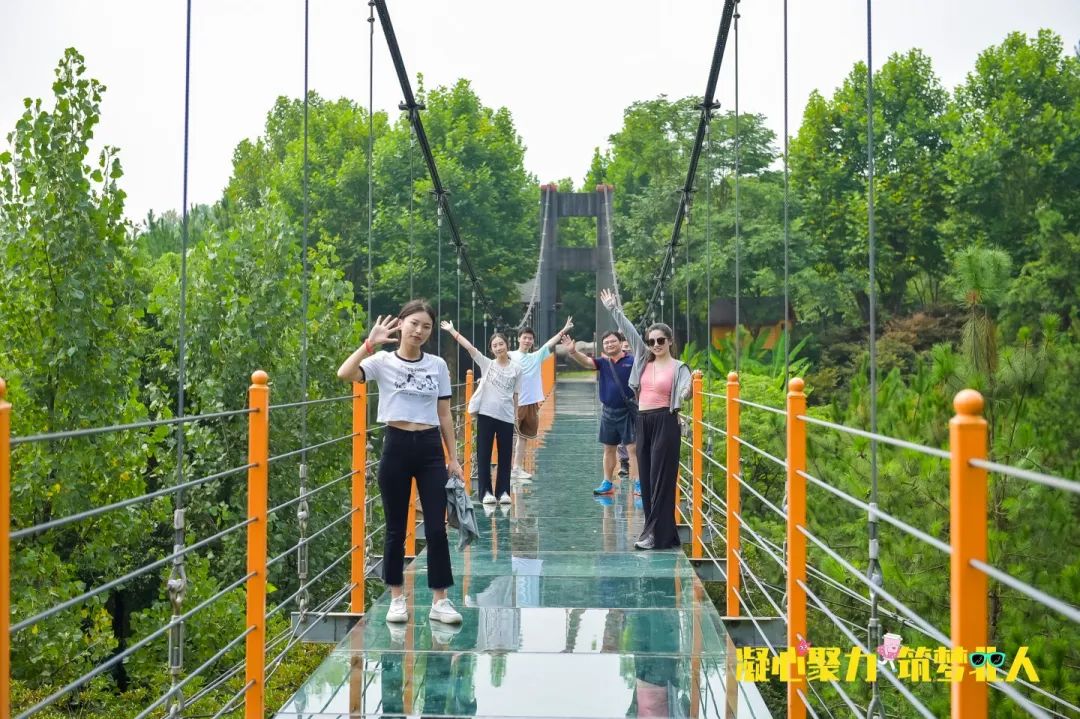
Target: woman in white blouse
(495,405)
(414,403)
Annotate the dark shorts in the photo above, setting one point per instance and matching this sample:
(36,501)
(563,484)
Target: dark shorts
(617,426)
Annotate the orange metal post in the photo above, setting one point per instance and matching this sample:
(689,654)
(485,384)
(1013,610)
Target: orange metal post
(734,576)
(967,521)
(466,461)
(410,522)
(697,465)
(258,484)
(359,496)
(796,541)
(5,553)
(547,371)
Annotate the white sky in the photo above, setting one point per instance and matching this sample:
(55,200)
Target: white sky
(566,70)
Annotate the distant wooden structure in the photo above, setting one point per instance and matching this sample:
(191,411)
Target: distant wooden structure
(756,314)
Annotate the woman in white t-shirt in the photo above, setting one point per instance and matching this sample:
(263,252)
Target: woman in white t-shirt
(414,403)
(495,404)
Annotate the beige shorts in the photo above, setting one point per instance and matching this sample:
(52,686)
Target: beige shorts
(528,420)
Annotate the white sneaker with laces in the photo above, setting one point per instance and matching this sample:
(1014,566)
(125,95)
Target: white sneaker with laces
(489,498)
(505,498)
(397,612)
(443,611)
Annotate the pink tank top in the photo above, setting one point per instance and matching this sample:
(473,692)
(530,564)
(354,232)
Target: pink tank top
(656,386)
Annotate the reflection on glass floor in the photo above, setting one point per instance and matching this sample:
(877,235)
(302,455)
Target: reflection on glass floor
(562,618)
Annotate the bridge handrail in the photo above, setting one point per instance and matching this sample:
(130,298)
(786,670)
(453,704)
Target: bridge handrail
(90,513)
(966,454)
(92,431)
(256,665)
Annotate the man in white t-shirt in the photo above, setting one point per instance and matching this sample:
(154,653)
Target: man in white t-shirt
(532,390)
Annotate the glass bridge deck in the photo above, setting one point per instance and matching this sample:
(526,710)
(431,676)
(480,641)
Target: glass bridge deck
(562,617)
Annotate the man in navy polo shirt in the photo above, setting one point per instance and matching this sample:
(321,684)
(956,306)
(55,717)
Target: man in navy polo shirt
(619,412)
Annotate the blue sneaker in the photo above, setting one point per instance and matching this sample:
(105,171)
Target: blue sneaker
(637,487)
(606,487)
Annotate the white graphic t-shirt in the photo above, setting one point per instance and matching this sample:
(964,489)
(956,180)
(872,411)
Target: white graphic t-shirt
(532,385)
(500,385)
(409,390)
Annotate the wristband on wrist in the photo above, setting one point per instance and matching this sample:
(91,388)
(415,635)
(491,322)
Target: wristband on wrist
(369,345)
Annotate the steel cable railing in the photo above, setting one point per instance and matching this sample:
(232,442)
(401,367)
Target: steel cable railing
(150,424)
(98,511)
(705,502)
(898,523)
(277,648)
(134,574)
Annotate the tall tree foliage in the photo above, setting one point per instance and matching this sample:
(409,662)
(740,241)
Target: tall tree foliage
(829,170)
(73,337)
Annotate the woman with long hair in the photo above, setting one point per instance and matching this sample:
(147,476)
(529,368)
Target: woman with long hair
(495,403)
(661,382)
(414,403)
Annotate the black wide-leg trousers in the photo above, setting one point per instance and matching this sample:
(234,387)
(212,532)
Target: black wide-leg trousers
(658,465)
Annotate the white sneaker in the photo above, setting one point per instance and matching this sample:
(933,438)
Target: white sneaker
(443,611)
(489,498)
(520,473)
(397,612)
(504,499)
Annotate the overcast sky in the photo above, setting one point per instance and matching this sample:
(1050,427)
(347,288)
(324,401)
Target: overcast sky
(565,69)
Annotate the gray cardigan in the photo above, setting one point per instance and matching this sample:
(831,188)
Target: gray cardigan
(680,388)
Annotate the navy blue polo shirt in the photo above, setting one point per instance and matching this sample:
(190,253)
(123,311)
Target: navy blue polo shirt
(614,395)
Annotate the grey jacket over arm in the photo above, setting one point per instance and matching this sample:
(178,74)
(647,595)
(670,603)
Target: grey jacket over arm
(680,388)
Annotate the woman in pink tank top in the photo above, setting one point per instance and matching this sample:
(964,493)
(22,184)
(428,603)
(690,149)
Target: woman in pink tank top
(662,384)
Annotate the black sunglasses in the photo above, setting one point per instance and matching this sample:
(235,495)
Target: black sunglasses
(656,341)
(977,659)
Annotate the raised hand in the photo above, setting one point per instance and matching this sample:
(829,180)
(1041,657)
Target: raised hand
(608,298)
(447,325)
(569,325)
(568,343)
(383,330)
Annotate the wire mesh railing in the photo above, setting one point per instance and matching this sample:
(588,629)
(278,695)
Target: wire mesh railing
(970,571)
(261,656)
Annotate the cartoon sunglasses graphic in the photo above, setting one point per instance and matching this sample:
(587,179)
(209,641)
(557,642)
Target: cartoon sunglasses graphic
(978,659)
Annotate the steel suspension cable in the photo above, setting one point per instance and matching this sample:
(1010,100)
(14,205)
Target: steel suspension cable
(686,269)
(873,568)
(302,512)
(412,196)
(177,583)
(539,266)
(413,107)
(695,154)
(371,151)
(709,169)
(738,170)
(438,277)
(787,240)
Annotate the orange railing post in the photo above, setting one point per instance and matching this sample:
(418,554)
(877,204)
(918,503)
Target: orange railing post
(734,576)
(697,467)
(547,374)
(358,523)
(466,463)
(5,553)
(410,522)
(796,540)
(967,522)
(258,485)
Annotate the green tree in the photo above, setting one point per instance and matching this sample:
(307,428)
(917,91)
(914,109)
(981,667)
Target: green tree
(1015,136)
(72,349)
(828,171)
